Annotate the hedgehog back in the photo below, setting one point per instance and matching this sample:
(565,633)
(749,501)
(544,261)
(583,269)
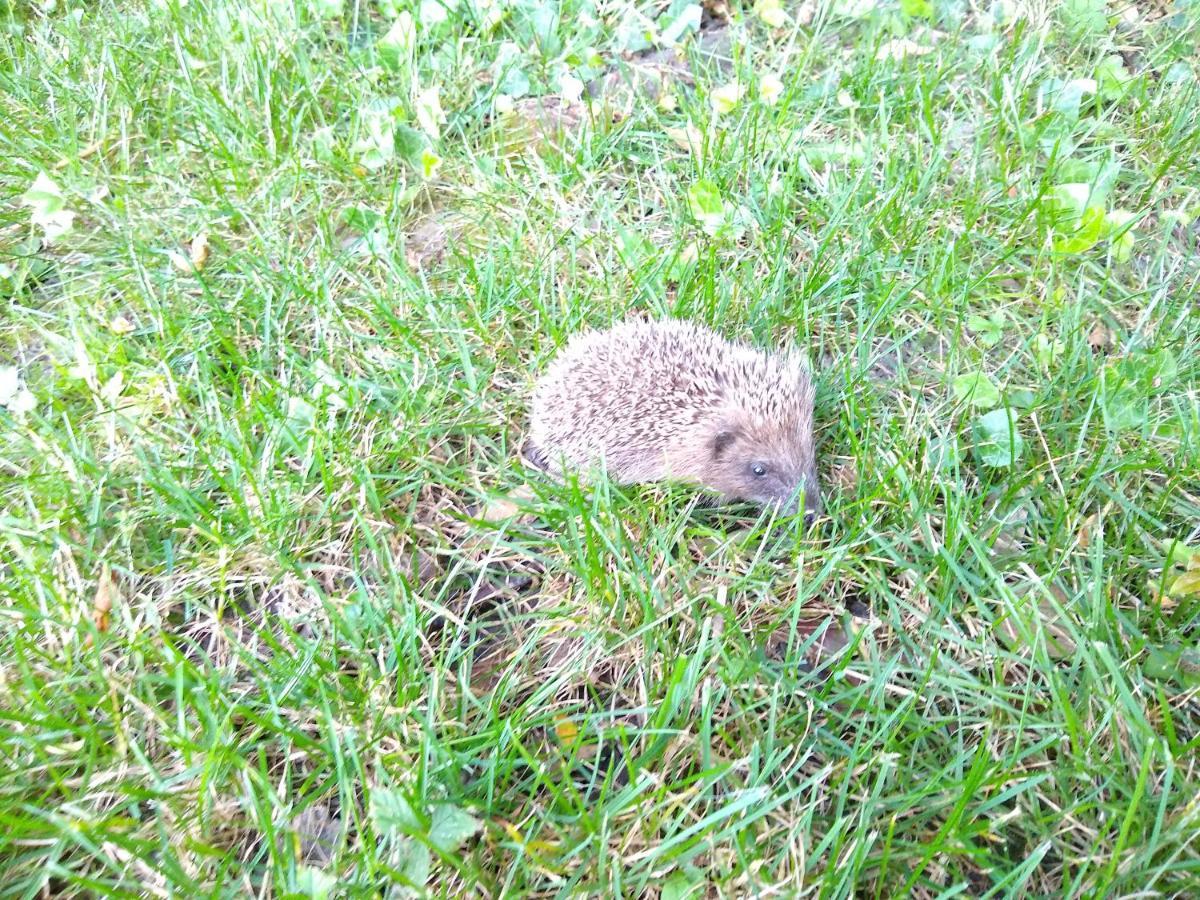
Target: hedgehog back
(634,394)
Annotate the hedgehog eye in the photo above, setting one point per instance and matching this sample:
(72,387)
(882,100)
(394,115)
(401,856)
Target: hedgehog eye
(759,470)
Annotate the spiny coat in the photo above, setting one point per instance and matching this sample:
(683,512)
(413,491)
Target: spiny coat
(659,400)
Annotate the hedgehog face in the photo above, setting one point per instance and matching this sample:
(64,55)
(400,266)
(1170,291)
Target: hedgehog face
(773,468)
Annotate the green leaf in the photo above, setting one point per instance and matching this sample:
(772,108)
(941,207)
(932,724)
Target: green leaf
(1147,372)
(686,21)
(327,9)
(451,828)
(377,145)
(410,144)
(681,886)
(430,163)
(1020,398)
(921,8)
(998,443)
(1085,16)
(512,80)
(1117,229)
(977,389)
(399,39)
(430,115)
(1123,404)
(1183,556)
(943,454)
(360,218)
(1112,78)
(706,206)
(1046,349)
(1173,662)
(315,883)
(48,207)
(1159,368)
(1161,662)
(1185,585)
(324,144)
(1066,97)
(821,154)
(1099,177)
(1086,235)
(990,330)
(414,861)
(1068,201)
(392,813)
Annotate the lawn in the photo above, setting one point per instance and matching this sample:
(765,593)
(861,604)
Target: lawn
(283,613)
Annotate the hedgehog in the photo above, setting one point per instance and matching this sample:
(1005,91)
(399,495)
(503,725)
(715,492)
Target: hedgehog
(672,400)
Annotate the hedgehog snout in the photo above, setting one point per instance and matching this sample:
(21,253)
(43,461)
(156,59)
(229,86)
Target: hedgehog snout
(813,507)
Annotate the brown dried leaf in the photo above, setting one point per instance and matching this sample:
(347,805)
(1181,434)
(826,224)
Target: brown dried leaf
(1086,530)
(687,138)
(106,595)
(1059,643)
(198,251)
(498,509)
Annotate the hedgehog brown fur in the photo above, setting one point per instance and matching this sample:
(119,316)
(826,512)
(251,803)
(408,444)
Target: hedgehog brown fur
(672,400)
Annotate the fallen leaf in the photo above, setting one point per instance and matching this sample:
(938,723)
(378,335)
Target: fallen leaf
(899,48)
(87,151)
(1086,530)
(426,244)
(497,509)
(565,730)
(1185,585)
(1037,613)
(199,251)
(102,604)
(771,13)
(120,325)
(770,89)
(725,98)
(48,207)
(687,138)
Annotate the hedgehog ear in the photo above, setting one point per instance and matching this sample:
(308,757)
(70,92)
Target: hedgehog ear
(722,441)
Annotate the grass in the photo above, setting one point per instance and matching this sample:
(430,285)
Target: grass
(284,615)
